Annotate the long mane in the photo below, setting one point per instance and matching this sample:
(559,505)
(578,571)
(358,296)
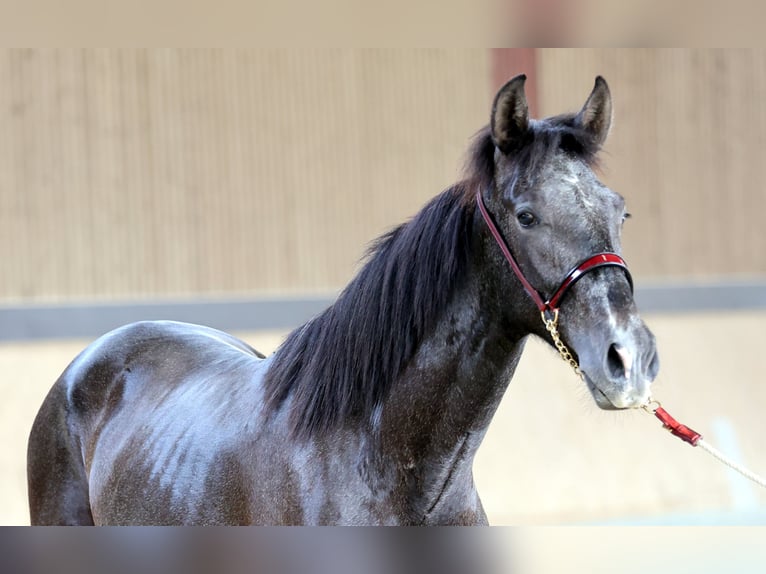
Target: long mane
(342,363)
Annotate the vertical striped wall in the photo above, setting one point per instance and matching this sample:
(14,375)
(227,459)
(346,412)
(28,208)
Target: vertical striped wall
(152,173)
(146,173)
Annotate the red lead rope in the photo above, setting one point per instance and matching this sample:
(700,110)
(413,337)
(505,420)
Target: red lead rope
(695,439)
(681,431)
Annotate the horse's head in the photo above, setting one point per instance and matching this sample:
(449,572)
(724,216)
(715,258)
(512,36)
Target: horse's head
(555,214)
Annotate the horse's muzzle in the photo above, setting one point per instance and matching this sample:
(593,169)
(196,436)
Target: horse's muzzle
(628,364)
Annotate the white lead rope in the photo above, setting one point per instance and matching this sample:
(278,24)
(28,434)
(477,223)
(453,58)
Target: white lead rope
(730,463)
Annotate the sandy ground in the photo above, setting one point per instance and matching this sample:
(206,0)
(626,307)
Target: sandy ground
(550,456)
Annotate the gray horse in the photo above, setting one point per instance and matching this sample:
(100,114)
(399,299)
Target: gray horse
(372,412)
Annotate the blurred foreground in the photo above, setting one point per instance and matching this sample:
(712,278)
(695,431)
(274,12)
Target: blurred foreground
(542,550)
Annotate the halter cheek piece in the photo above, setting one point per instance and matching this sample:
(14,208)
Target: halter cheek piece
(552,304)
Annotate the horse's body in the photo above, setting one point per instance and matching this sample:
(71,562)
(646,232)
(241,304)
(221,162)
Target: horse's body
(372,412)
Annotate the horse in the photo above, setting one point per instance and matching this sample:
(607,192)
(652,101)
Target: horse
(372,411)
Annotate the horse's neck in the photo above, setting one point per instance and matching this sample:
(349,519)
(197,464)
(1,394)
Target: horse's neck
(441,407)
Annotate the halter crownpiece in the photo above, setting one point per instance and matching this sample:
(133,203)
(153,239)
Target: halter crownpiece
(553,303)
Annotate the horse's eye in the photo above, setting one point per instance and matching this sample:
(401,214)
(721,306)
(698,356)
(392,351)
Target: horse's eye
(526,219)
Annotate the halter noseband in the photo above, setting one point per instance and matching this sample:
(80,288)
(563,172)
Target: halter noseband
(552,304)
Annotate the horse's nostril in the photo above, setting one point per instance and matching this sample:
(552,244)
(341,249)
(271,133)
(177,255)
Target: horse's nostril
(618,362)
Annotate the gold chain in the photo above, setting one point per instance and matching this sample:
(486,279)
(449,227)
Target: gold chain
(551,325)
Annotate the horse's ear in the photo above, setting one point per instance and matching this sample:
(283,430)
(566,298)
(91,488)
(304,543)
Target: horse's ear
(595,117)
(510,115)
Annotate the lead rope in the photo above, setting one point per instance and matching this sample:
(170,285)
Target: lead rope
(694,438)
(714,452)
(683,432)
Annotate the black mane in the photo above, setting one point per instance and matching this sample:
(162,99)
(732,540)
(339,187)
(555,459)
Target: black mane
(342,363)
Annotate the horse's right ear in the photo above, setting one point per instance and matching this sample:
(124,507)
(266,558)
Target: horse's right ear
(510,115)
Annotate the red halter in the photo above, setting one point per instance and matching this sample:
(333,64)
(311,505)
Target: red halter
(553,303)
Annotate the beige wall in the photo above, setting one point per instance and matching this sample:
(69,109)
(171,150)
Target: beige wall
(145,173)
(129,174)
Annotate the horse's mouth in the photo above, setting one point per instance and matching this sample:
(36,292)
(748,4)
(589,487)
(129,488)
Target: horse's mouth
(600,397)
(604,403)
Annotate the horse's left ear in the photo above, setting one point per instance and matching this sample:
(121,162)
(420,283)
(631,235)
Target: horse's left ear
(595,117)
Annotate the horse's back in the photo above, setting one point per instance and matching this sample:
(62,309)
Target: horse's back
(146,386)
